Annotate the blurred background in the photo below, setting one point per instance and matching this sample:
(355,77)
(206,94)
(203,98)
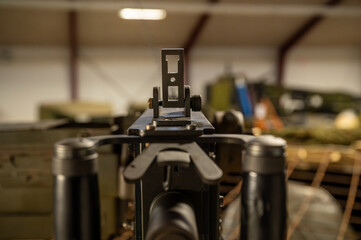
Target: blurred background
(291,68)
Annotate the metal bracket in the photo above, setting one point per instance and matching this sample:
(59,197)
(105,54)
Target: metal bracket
(175,95)
(173,80)
(207,170)
(173,158)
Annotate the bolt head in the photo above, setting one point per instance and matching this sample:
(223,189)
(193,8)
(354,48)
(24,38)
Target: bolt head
(191,126)
(150,127)
(196,103)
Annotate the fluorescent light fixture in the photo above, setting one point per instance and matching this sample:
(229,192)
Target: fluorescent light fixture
(142,14)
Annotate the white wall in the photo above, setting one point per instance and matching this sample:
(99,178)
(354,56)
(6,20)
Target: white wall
(29,76)
(326,69)
(208,64)
(120,76)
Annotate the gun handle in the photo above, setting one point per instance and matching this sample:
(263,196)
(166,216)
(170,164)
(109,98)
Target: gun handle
(263,194)
(263,207)
(76,191)
(76,207)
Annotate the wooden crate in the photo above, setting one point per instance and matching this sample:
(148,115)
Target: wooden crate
(26,182)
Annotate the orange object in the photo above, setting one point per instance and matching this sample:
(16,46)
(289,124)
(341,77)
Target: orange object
(266,116)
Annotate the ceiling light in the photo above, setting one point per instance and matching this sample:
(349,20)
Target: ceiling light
(142,14)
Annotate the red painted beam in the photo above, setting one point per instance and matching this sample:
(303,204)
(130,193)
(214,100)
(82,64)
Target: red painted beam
(296,37)
(73,55)
(196,31)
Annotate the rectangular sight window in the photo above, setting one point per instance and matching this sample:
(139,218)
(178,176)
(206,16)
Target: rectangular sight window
(172,93)
(172,61)
(173,78)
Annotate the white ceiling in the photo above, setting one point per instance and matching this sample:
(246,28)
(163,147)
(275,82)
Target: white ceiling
(104,28)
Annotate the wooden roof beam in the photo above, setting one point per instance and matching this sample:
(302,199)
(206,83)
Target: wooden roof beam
(296,37)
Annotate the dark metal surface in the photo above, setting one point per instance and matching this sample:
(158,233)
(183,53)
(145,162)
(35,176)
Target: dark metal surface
(265,155)
(322,220)
(172,217)
(196,103)
(173,158)
(74,157)
(76,207)
(263,204)
(172,117)
(263,194)
(171,150)
(76,194)
(237,139)
(138,128)
(143,171)
(188,171)
(173,79)
(155,102)
(207,170)
(187,101)
(175,94)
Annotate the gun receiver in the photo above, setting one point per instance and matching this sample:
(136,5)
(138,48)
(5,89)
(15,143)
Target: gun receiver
(176,180)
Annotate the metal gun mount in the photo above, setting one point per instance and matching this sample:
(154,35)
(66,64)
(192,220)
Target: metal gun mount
(176,182)
(172,114)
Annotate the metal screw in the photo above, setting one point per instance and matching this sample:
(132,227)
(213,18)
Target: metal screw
(150,127)
(212,156)
(221,201)
(150,103)
(191,126)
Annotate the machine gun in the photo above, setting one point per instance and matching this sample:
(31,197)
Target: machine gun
(176,180)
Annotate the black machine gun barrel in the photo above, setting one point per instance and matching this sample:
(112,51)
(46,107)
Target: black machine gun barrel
(177,182)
